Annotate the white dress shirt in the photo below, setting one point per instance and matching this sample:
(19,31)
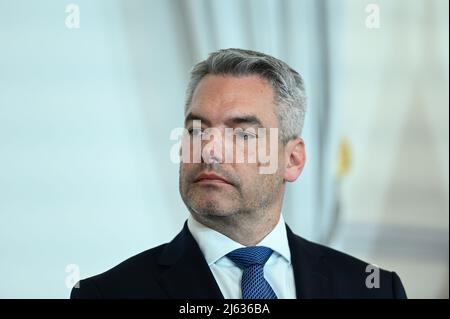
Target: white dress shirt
(278,269)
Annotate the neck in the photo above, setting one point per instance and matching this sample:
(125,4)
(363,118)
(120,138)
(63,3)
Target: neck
(242,227)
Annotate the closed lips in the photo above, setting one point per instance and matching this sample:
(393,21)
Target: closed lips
(210,177)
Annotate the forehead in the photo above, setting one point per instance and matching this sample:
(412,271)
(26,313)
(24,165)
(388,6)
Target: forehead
(217,97)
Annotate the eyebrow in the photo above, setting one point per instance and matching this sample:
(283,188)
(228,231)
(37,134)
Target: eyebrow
(192,117)
(244,119)
(234,120)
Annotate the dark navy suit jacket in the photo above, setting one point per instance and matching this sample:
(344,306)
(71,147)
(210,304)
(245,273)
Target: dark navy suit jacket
(179,270)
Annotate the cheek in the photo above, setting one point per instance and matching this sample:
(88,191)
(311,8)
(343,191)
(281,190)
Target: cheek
(242,152)
(267,148)
(190,150)
(249,176)
(185,170)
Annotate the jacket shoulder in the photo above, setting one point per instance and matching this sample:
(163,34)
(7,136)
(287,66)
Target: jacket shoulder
(354,278)
(132,278)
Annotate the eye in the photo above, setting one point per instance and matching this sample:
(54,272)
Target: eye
(195,131)
(245,135)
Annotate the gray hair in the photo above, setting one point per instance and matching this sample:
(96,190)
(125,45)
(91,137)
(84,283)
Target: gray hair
(287,84)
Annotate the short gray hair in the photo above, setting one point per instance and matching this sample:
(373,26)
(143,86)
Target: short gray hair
(287,84)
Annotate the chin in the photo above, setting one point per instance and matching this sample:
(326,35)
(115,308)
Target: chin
(213,208)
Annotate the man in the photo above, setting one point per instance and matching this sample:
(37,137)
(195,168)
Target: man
(235,243)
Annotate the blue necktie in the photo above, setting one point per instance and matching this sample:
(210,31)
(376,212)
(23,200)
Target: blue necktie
(251,260)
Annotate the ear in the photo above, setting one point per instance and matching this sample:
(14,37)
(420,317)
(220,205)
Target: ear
(295,156)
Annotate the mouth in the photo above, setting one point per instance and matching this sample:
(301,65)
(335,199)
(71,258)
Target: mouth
(205,178)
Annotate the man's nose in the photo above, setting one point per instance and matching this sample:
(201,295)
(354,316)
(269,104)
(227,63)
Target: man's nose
(213,148)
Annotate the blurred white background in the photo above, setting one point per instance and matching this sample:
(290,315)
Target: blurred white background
(86,114)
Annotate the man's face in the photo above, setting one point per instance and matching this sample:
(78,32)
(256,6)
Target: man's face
(231,102)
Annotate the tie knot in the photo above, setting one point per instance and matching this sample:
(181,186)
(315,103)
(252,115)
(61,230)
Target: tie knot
(249,256)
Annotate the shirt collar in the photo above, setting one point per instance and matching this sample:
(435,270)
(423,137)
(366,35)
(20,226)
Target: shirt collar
(215,245)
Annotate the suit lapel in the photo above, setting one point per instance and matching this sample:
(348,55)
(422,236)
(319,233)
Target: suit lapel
(312,276)
(187,275)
